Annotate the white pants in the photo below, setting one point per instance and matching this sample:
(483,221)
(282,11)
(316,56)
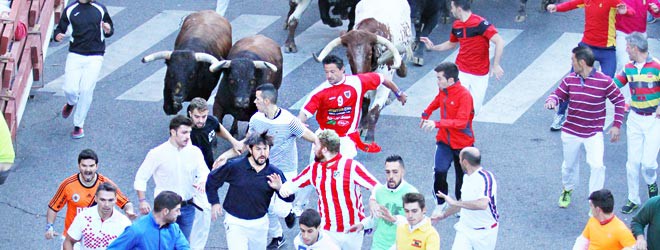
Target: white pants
(278,209)
(621,59)
(80,76)
(470,239)
(477,85)
(202,223)
(221,7)
(570,168)
(246,234)
(347,241)
(643,134)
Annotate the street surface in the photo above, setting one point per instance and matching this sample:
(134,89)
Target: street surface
(126,119)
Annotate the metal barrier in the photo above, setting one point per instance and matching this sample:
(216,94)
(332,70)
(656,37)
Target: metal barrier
(21,62)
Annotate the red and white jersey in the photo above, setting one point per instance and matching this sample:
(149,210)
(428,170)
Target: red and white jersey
(337,182)
(337,106)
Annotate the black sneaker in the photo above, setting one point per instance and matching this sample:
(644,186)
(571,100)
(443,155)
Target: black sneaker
(290,219)
(277,243)
(629,207)
(653,190)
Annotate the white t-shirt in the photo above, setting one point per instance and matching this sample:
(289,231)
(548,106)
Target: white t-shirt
(285,128)
(480,184)
(94,233)
(325,242)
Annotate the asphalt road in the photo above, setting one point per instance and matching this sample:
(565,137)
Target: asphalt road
(524,155)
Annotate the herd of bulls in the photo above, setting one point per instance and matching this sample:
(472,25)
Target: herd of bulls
(203,52)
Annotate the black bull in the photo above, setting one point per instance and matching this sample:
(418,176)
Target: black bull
(204,38)
(252,61)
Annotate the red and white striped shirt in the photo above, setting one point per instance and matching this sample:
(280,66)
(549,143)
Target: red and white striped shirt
(336,181)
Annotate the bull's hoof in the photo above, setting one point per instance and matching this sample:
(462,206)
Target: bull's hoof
(333,22)
(521,17)
(290,48)
(418,61)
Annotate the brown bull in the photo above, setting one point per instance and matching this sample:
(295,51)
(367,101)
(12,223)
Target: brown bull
(204,38)
(252,61)
(369,48)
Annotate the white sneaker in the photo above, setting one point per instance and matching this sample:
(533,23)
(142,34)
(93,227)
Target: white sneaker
(297,210)
(557,122)
(439,210)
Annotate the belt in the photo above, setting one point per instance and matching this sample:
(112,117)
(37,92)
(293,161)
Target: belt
(190,203)
(483,228)
(645,113)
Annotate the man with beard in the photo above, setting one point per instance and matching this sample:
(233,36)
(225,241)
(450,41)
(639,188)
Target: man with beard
(285,128)
(158,230)
(77,192)
(97,227)
(252,182)
(389,197)
(336,180)
(175,165)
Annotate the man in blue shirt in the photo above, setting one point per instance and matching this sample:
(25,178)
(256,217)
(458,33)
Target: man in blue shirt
(252,183)
(158,230)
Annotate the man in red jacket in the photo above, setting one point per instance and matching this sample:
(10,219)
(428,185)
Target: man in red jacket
(454,129)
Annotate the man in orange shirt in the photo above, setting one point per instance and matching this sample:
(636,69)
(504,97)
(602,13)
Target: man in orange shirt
(77,192)
(604,230)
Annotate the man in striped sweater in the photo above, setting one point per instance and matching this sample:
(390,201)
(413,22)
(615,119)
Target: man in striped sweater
(337,180)
(642,74)
(585,89)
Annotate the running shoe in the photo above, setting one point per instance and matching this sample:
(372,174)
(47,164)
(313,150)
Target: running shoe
(297,210)
(66,110)
(276,243)
(653,190)
(629,207)
(565,198)
(439,210)
(77,133)
(557,123)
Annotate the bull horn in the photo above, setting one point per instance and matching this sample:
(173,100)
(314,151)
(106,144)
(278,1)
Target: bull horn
(204,57)
(331,45)
(156,56)
(390,46)
(220,64)
(263,65)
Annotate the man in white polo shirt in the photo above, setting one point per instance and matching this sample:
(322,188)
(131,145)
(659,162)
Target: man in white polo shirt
(97,227)
(477,228)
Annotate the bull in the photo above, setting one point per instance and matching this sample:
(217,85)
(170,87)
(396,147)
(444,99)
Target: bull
(204,37)
(383,30)
(424,15)
(252,61)
(344,8)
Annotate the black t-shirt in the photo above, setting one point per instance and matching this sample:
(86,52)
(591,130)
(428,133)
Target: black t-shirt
(204,138)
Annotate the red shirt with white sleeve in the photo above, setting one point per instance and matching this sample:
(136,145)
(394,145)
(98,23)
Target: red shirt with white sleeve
(337,182)
(337,106)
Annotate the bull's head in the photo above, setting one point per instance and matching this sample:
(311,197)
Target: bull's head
(183,67)
(242,76)
(362,51)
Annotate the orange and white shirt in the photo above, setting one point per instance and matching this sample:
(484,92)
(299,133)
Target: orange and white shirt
(76,197)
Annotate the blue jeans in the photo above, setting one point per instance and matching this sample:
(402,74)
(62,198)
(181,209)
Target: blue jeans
(185,220)
(444,155)
(607,59)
